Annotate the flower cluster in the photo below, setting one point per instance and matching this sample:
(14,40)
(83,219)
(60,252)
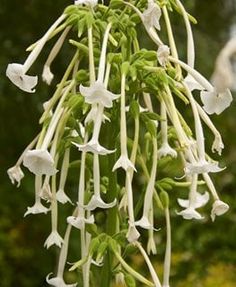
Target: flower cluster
(116,117)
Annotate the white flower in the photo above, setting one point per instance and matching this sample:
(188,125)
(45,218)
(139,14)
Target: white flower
(53,238)
(47,75)
(98,94)
(97,202)
(163,53)
(166,150)
(202,166)
(39,162)
(192,84)
(92,115)
(91,3)
(214,102)
(217,145)
(45,192)
(16,73)
(123,162)
(15,174)
(36,209)
(199,200)
(219,208)
(151,245)
(132,234)
(62,197)
(144,223)
(151,15)
(190,213)
(58,282)
(93,146)
(120,279)
(80,221)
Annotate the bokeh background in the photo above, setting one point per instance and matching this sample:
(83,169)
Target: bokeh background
(203,252)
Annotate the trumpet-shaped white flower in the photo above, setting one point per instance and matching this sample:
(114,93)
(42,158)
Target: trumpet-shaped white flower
(163,53)
(39,162)
(47,75)
(45,192)
(16,73)
(62,197)
(144,223)
(36,209)
(190,213)
(192,84)
(217,145)
(202,166)
(151,15)
(199,200)
(80,221)
(98,94)
(97,202)
(166,150)
(219,208)
(132,234)
(53,239)
(123,162)
(58,282)
(92,115)
(15,174)
(93,146)
(216,103)
(91,3)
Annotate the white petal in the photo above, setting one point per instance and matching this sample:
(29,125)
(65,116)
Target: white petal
(123,162)
(166,150)
(202,167)
(200,200)
(62,197)
(132,234)
(58,282)
(190,213)
(144,223)
(216,103)
(91,3)
(53,239)
(151,246)
(15,72)
(93,147)
(97,202)
(219,208)
(15,174)
(36,209)
(163,53)
(79,221)
(151,16)
(39,162)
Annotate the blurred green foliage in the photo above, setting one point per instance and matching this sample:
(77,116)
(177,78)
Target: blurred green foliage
(203,253)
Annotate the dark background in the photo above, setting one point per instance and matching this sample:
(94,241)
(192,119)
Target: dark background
(203,253)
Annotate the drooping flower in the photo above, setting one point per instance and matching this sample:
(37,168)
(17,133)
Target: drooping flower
(163,53)
(132,234)
(201,166)
(62,197)
(199,200)
(93,146)
(98,94)
(190,213)
(58,282)
(166,150)
(97,202)
(39,162)
(144,223)
(216,103)
(36,209)
(219,208)
(91,3)
(15,174)
(17,72)
(151,15)
(123,162)
(53,239)
(80,221)
(91,116)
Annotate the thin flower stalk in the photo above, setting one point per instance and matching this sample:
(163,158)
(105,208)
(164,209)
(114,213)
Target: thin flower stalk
(167,260)
(149,264)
